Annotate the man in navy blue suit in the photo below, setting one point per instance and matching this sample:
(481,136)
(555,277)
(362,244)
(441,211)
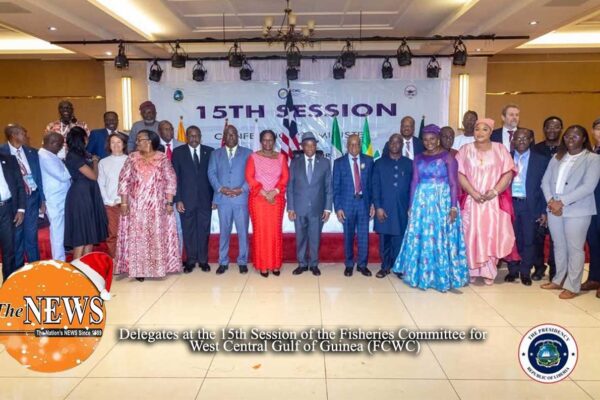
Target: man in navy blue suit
(12,209)
(26,238)
(411,145)
(97,141)
(353,203)
(529,203)
(510,123)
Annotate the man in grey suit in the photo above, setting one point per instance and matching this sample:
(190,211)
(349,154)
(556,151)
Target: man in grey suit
(226,172)
(310,196)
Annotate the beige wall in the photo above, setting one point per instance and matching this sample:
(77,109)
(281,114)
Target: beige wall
(31,89)
(477,69)
(139,86)
(567,85)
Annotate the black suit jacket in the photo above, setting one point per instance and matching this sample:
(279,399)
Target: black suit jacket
(193,186)
(533,184)
(497,135)
(14,180)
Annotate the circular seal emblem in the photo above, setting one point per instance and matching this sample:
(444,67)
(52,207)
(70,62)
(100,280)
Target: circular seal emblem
(410,91)
(548,353)
(178,95)
(282,93)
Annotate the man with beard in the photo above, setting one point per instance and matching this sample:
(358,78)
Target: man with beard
(149,122)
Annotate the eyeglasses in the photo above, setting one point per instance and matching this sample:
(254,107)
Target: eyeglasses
(141,139)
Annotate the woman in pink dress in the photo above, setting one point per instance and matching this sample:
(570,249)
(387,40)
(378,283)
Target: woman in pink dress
(147,243)
(267,177)
(485,170)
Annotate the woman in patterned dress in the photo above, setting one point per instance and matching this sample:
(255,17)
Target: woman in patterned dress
(147,244)
(267,177)
(433,251)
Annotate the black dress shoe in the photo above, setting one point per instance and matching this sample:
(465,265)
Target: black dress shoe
(510,278)
(222,269)
(315,271)
(365,271)
(400,275)
(264,274)
(348,272)
(538,272)
(526,281)
(243,269)
(276,272)
(139,279)
(205,267)
(188,268)
(382,273)
(299,270)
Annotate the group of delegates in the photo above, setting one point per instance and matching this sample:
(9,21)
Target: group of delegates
(447,209)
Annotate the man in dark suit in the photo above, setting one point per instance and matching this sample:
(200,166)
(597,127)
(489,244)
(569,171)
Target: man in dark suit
(411,144)
(392,176)
(97,142)
(353,202)
(26,234)
(510,122)
(593,234)
(309,196)
(194,197)
(12,210)
(529,203)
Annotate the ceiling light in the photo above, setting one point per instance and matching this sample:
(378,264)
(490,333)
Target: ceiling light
(478,49)
(339,71)
(108,53)
(433,68)
(179,57)
(387,71)
(348,55)
(246,71)
(236,56)
(533,22)
(289,32)
(155,72)
(130,14)
(403,54)
(121,60)
(460,53)
(52,28)
(199,72)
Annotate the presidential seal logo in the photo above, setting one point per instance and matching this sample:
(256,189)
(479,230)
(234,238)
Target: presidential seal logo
(410,91)
(548,353)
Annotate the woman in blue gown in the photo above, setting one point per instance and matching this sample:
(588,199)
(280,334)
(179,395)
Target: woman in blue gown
(433,251)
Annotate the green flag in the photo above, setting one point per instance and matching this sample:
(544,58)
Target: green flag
(422,127)
(377,155)
(336,140)
(367,148)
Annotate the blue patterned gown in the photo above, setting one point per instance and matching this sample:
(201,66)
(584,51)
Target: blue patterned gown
(433,251)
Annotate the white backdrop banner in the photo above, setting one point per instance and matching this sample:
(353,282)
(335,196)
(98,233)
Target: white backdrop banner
(260,104)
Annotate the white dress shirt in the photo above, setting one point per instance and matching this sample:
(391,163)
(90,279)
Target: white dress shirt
(461,140)
(4,189)
(197,150)
(109,169)
(408,148)
(506,136)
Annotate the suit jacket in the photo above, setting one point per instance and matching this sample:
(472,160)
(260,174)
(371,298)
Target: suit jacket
(221,174)
(391,191)
(583,177)
(497,135)
(193,186)
(343,184)
(310,199)
(34,164)
(14,180)
(536,168)
(417,146)
(175,144)
(97,142)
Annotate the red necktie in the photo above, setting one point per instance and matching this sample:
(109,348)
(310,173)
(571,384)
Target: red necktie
(169,152)
(357,187)
(510,139)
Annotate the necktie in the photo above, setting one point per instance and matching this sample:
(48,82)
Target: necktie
(510,140)
(169,152)
(230,156)
(196,159)
(357,187)
(407,149)
(309,173)
(24,172)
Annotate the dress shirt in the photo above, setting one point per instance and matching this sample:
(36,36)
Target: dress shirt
(55,175)
(519,184)
(350,158)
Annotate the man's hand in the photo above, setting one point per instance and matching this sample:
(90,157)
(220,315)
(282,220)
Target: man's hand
(325,216)
(381,215)
(542,220)
(180,207)
(371,211)
(19,218)
(340,215)
(43,207)
(235,192)
(291,215)
(225,191)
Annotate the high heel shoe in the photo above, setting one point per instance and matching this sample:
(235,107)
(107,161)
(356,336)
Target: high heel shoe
(276,272)
(264,274)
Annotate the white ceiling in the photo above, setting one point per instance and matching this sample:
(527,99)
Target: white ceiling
(89,20)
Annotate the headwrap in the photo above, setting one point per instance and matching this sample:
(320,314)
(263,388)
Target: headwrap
(432,128)
(488,121)
(147,104)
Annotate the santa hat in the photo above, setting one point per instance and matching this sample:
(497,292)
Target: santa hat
(98,267)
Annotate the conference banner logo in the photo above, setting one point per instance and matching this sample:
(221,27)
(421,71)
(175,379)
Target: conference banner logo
(53,313)
(548,353)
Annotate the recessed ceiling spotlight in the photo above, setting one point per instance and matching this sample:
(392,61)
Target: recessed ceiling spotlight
(478,49)
(52,28)
(533,22)
(108,53)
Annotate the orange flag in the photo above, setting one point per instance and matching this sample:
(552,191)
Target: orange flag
(181,131)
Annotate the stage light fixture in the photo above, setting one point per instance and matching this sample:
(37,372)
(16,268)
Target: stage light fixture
(293,56)
(433,68)
(291,73)
(121,60)
(155,72)
(236,57)
(348,55)
(179,57)
(199,72)
(460,53)
(387,71)
(403,54)
(246,71)
(339,71)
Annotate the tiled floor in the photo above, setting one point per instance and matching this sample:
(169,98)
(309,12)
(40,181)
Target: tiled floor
(490,370)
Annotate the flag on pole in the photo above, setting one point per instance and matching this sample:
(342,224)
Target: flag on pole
(256,137)
(377,155)
(289,140)
(223,136)
(181,130)
(422,127)
(367,147)
(336,140)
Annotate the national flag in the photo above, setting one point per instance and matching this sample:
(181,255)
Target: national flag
(377,155)
(289,140)
(336,140)
(223,135)
(256,137)
(422,127)
(181,130)
(367,147)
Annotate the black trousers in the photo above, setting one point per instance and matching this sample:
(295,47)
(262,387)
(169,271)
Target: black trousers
(540,238)
(593,239)
(7,229)
(195,224)
(389,247)
(525,227)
